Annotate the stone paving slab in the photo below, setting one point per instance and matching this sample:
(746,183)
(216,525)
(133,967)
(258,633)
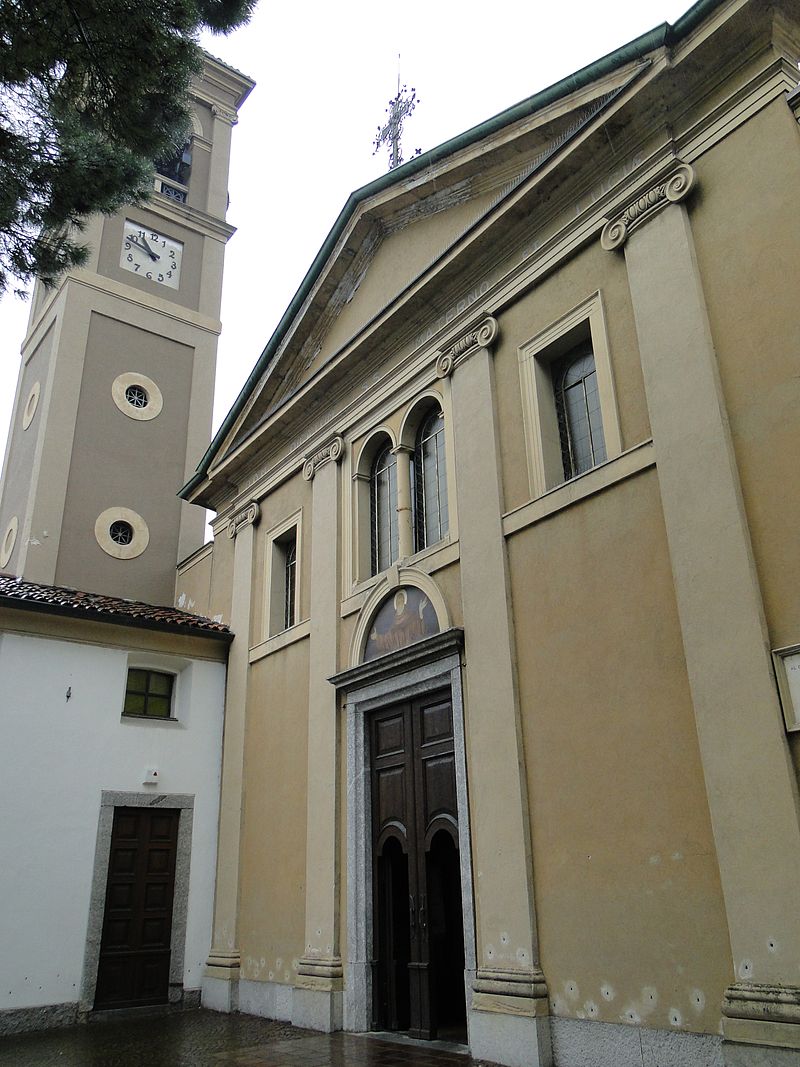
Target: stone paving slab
(210,1039)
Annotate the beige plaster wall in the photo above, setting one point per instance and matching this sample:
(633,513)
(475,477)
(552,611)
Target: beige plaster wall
(449,581)
(106,441)
(272,890)
(221,592)
(747,228)
(588,272)
(22,443)
(399,259)
(630,914)
(193,581)
(282,503)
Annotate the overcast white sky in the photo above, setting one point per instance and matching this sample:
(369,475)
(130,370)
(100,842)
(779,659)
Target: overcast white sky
(324,74)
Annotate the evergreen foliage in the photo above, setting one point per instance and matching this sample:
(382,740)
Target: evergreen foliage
(90,94)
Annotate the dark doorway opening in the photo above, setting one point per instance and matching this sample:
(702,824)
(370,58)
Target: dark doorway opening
(133,969)
(446,938)
(394,942)
(418,965)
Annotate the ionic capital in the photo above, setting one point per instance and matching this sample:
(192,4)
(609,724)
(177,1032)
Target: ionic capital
(224,114)
(480,336)
(670,190)
(332,451)
(248,516)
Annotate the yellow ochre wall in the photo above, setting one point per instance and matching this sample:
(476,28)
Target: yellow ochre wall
(629,907)
(274,824)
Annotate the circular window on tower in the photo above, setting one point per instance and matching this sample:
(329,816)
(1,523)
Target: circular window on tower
(30,405)
(8,542)
(121,533)
(137,396)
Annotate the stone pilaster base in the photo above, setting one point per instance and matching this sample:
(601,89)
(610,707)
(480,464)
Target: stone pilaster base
(508,1019)
(318,999)
(514,1040)
(219,989)
(220,994)
(761,1025)
(317,1009)
(321,967)
(270,1000)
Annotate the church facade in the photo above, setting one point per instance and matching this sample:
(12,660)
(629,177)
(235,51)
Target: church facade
(505,532)
(505,536)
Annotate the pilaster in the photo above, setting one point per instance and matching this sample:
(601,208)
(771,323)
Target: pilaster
(221,978)
(751,789)
(317,1002)
(405,525)
(508,1020)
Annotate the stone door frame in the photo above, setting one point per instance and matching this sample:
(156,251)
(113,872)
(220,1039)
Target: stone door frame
(422,668)
(110,800)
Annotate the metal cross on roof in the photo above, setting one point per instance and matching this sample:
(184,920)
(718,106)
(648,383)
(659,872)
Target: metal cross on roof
(400,107)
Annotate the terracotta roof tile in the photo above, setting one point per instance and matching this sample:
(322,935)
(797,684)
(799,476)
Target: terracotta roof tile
(16,592)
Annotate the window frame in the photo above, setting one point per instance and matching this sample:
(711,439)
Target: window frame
(278,539)
(149,671)
(561,370)
(377,565)
(419,496)
(171,187)
(537,357)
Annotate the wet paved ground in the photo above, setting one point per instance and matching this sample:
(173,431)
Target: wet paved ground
(208,1039)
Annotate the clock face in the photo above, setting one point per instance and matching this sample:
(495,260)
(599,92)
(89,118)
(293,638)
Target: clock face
(151,255)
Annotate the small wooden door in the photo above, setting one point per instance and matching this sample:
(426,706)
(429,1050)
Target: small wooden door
(418,965)
(137,922)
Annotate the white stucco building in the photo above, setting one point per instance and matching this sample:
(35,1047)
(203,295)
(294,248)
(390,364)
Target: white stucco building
(86,895)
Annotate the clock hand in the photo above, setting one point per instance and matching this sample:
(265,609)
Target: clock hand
(144,247)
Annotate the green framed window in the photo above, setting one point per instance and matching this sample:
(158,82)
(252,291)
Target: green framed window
(148,693)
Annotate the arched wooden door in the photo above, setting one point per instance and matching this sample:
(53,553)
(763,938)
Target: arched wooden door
(418,962)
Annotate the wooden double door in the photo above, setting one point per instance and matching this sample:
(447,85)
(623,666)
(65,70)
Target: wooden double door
(418,961)
(137,922)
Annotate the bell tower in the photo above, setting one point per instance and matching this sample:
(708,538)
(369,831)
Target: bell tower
(115,391)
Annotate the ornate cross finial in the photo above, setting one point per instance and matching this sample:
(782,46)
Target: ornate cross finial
(400,107)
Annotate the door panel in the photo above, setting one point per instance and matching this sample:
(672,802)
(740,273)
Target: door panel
(413,796)
(137,922)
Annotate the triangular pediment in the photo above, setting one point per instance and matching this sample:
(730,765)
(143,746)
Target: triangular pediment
(391,241)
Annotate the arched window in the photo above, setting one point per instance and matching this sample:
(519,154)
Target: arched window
(172,174)
(580,424)
(383,509)
(429,479)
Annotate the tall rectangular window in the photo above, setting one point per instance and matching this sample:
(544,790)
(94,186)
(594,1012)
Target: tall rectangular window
(429,481)
(282,560)
(580,422)
(383,491)
(290,580)
(568,399)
